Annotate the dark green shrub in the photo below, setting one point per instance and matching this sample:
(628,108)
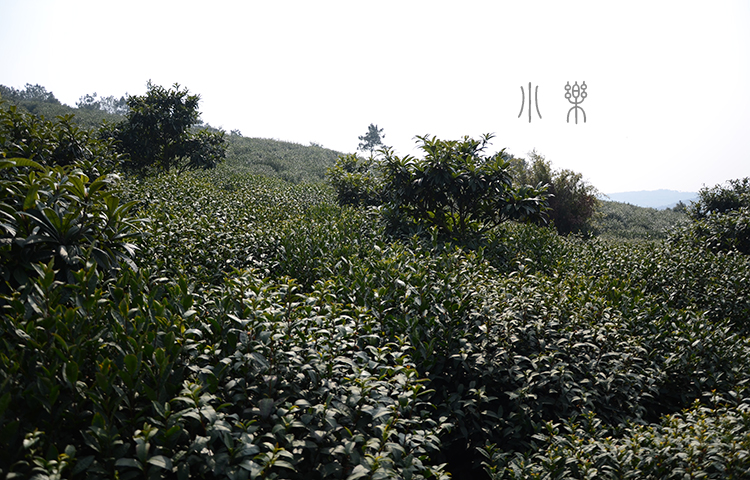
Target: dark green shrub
(50,143)
(455,189)
(720,218)
(572,201)
(156,135)
(720,231)
(721,199)
(49,206)
(356,181)
(57,214)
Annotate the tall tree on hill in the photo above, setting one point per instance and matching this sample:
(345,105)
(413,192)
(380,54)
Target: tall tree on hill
(156,133)
(372,139)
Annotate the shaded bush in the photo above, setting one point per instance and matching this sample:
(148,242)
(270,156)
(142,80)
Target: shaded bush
(356,181)
(572,201)
(720,218)
(58,142)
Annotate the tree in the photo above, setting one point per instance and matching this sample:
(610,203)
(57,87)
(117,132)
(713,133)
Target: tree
(721,199)
(156,133)
(111,104)
(456,188)
(57,142)
(371,140)
(572,201)
(720,219)
(31,93)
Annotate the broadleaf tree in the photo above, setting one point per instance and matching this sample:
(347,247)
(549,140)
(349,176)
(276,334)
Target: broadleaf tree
(573,201)
(456,189)
(720,218)
(157,133)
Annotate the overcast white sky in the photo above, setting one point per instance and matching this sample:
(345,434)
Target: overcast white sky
(667,101)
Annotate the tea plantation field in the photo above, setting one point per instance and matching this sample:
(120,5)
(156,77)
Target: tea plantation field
(239,323)
(262,331)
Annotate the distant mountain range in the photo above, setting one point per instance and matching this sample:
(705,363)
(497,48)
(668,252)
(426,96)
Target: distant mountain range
(659,199)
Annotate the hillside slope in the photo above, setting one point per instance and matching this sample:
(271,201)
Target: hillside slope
(658,199)
(630,222)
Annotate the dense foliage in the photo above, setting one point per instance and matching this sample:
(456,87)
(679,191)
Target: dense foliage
(30,93)
(358,181)
(623,221)
(50,143)
(455,188)
(572,201)
(721,217)
(251,327)
(36,100)
(286,160)
(156,134)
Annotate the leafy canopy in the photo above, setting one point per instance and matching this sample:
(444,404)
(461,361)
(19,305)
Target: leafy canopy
(572,201)
(720,218)
(721,199)
(459,189)
(156,133)
(456,188)
(58,203)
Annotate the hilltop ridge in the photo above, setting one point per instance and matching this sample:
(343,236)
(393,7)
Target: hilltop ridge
(659,199)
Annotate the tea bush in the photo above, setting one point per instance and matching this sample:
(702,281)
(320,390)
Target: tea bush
(207,224)
(700,442)
(285,160)
(622,221)
(136,377)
